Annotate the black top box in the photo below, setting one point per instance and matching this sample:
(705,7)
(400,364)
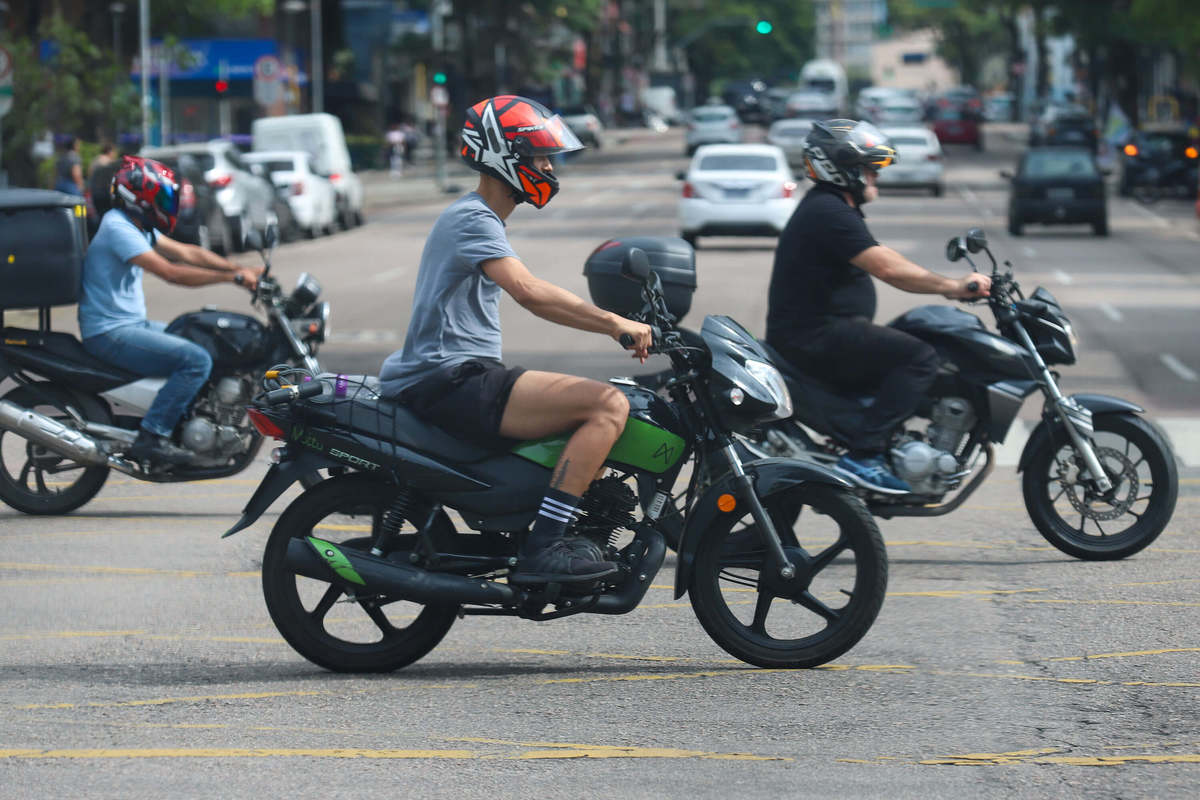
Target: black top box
(670,257)
(43,237)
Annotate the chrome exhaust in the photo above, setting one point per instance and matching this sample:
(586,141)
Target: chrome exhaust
(51,434)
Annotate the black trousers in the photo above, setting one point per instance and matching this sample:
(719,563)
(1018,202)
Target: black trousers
(855,356)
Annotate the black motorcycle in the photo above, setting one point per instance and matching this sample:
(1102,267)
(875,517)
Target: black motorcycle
(377,543)
(60,430)
(1099,481)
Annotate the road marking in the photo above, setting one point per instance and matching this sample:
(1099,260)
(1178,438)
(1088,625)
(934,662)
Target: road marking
(1162,222)
(1072,681)
(1097,656)
(232,752)
(1044,757)
(164,701)
(568,750)
(1111,312)
(1063,277)
(968,195)
(1178,367)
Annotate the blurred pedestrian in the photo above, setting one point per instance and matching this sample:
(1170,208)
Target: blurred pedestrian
(411,139)
(68,174)
(395,142)
(106,156)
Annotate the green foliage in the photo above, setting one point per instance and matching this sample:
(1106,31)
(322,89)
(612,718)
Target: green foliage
(725,43)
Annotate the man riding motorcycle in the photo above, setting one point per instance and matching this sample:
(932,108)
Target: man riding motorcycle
(822,300)
(112,312)
(449,371)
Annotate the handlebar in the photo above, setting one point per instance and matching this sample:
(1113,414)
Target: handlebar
(973,286)
(288,393)
(626,340)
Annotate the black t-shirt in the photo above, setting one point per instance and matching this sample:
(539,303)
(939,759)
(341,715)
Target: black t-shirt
(813,279)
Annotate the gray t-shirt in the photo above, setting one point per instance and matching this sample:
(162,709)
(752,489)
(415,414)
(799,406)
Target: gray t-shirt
(456,306)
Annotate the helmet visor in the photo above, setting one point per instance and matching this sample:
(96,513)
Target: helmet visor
(166,199)
(552,136)
(878,150)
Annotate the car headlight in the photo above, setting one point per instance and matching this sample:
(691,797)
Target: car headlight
(769,378)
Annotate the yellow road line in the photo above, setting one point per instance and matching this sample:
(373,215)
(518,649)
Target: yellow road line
(568,750)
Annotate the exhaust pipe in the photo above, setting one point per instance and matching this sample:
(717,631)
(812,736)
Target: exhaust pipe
(51,434)
(320,560)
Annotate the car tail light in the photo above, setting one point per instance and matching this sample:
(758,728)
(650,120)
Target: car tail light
(187,195)
(733,123)
(933,157)
(265,425)
(1191,152)
(1131,150)
(298,187)
(688,189)
(221,181)
(789,189)
(335,176)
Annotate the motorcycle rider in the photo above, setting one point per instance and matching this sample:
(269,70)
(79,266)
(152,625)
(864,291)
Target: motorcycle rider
(822,299)
(132,239)
(449,371)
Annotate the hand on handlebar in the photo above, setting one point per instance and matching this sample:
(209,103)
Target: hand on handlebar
(247,277)
(635,336)
(972,286)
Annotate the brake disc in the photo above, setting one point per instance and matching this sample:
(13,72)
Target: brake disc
(1089,504)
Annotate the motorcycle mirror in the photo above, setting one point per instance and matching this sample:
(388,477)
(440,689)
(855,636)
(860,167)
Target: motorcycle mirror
(252,240)
(635,265)
(976,240)
(271,236)
(956,248)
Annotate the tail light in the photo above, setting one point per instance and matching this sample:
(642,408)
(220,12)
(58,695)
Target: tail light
(688,189)
(298,188)
(933,157)
(1131,150)
(1192,152)
(733,123)
(221,181)
(187,195)
(789,189)
(265,425)
(335,176)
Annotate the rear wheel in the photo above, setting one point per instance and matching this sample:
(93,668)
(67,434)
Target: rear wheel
(365,633)
(840,582)
(35,480)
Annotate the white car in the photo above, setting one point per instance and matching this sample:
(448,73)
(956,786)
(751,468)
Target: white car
(585,124)
(711,124)
(321,136)
(789,135)
(919,159)
(311,196)
(812,104)
(898,109)
(736,190)
(873,98)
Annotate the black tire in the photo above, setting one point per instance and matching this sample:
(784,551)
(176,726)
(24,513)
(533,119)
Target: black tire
(1100,226)
(364,500)
(25,466)
(1015,227)
(1044,491)
(690,238)
(727,546)
(936,190)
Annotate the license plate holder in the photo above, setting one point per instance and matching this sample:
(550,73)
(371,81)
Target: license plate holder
(1060,194)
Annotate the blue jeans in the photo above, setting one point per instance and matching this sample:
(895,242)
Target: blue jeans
(143,348)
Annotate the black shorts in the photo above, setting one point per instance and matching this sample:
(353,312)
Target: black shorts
(467,400)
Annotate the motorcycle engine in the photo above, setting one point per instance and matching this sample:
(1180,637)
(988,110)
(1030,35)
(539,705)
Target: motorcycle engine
(931,467)
(216,428)
(606,506)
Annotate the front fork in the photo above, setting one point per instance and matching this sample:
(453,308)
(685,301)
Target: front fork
(1073,416)
(770,536)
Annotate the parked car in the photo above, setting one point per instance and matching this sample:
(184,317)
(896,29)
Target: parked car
(321,136)
(201,220)
(585,124)
(999,107)
(871,99)
(1066,125)
(954,123)
(736,190)
(310,196)
(898,109)
(774,102)
(919,159)
(746,98)
(710,124)
(789,135)
(1159,160)
(812,104)
(245,199)
(1057,185)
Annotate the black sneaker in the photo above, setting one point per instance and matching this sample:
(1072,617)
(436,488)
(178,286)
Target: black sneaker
(559,562)
(156,449)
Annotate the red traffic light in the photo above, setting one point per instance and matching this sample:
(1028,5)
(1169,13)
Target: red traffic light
(222,86)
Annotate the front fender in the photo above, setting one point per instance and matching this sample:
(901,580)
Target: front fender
(770,475)
(1096,403)
(277,480)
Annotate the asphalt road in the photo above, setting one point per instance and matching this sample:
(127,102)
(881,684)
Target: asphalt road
(137,658)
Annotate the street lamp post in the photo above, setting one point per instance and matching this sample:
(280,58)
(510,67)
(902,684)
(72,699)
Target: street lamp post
(318,70)
(144,27)
(292,9)
(117,9)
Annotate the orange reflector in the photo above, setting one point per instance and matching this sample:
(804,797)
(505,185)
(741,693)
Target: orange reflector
(727,502)
(1131,150)
(1191,152)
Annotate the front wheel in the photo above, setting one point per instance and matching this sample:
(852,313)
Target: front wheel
(840,582)
(1085,523)
(333,629)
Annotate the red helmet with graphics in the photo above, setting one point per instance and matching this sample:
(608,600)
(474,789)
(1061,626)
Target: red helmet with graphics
(148,192)
(503,135)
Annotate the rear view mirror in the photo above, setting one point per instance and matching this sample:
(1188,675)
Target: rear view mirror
(635,265)
(976,240)
(252,240)
(271,236)
(956,248)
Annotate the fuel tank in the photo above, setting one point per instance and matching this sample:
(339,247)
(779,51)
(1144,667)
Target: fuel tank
(233,340)
(960,336)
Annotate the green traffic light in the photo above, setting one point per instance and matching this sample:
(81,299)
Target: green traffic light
(439,77)
(764,27)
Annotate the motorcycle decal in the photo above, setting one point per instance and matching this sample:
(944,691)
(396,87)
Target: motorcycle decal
(337,560)
(642,446)
(353,460)
(301,436)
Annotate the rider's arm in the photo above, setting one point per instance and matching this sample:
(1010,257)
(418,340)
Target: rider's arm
(183,274)
(894,269)
(191,254)
(558,305)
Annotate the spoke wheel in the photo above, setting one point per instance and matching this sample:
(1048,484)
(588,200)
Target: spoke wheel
(759,617)
(1083,522)
(343,633)
(35,480)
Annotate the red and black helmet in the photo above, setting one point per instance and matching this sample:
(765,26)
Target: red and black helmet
(503,135)
(148,192)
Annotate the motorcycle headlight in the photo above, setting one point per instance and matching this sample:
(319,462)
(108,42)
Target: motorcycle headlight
(769,378)
(306,292)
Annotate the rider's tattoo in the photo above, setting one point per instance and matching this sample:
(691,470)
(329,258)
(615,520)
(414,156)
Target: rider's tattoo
(560,474)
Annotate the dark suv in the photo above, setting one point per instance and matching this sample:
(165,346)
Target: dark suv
(1161,160)
(1064,125)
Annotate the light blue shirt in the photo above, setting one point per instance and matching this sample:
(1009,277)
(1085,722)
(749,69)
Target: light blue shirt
(112,285)
(456,306)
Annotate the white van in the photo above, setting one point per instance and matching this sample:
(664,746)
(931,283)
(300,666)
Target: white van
(826,75)
(321,136)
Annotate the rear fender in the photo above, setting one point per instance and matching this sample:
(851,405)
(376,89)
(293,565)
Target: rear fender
(1096,403)
(770,476)
(277,480)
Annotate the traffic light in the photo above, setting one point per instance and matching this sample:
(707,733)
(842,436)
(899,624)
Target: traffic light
(439,77)
(222,86)
(764,27)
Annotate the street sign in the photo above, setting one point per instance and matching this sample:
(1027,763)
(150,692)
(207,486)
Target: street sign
(439,96)
(268,84)
(6,82)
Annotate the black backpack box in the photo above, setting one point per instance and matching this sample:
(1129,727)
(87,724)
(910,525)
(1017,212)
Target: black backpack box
(670,257)
(43,238)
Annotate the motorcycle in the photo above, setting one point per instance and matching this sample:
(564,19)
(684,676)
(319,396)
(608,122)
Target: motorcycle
(377,539)
(60,437)
(1099,481)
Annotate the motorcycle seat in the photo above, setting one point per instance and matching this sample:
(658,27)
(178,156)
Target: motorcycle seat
(807,383)
(363,410)
(61,355)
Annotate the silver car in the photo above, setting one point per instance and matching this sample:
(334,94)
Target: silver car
(789,135)
(245,198)
(712,124)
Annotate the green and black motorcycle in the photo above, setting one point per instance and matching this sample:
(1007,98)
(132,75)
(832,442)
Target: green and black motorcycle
(366,571)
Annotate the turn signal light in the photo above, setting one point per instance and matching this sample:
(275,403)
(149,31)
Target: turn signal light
(1191,152)
(789,189)
(1131,150)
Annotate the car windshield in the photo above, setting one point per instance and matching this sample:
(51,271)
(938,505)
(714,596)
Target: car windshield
(278,166)
(949,113)
(1050,164)
(711,115)
(739,161)
(1162,144)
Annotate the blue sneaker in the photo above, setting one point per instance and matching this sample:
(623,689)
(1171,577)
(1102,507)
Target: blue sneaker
(871,472)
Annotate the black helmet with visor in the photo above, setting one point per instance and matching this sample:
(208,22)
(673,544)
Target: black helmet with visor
(837,150)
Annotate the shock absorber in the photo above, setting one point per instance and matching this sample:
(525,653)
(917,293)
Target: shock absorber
(393,520)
